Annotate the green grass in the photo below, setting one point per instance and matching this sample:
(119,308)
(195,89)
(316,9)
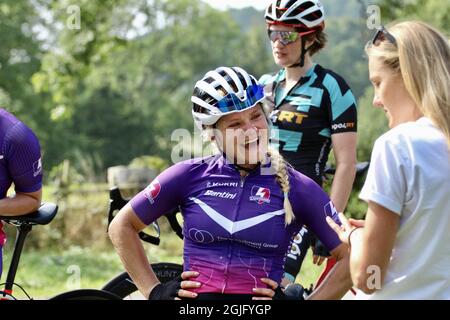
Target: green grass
(45,274)
(309,272)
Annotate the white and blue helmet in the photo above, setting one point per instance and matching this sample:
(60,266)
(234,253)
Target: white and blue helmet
(223,91)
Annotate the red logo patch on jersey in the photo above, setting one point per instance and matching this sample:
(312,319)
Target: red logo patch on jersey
(260,195)
(152,191)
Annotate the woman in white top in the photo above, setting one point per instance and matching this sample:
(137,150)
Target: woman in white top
(402,249)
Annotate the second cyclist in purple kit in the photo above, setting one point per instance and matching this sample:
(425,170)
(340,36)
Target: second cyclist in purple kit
(21,165)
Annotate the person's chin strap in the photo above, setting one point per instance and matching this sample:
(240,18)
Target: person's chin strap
(302,56)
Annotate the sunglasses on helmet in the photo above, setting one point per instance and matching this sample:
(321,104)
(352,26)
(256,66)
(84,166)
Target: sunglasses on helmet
(231,102)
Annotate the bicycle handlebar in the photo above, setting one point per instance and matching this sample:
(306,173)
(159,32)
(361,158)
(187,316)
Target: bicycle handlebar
(116,202)
(173,222)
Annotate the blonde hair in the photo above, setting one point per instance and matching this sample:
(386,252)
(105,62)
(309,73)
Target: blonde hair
(282,177)
(423,59)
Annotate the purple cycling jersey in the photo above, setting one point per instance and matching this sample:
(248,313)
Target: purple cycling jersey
(20,159)
(234,228)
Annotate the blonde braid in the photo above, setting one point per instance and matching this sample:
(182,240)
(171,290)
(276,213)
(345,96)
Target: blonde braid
(282,178)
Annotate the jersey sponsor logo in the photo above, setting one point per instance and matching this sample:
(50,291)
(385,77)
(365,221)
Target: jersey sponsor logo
(235,226)
(347,125)
(37,168)
(224,195)
(295,251)
(331,211)
(202,236)
(152,191)
(252,244)
(260,195)
(292,117)
(210,184)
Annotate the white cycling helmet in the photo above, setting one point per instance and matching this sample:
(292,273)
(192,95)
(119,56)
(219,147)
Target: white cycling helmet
(307,14)
(223,91)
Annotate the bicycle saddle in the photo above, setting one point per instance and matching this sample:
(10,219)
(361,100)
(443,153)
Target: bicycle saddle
(42,216)
(362,167)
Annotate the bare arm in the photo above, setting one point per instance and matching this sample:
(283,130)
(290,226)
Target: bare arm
(21,203)
(371,245)
(123,232)
(372,248)
(338,280)
(344,149)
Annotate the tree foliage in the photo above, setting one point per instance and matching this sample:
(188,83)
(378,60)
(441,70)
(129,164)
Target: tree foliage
(122,83)
(434,12)
(110,80)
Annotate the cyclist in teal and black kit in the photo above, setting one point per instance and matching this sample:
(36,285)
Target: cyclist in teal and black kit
(314,107)
(20,163)
(240,207)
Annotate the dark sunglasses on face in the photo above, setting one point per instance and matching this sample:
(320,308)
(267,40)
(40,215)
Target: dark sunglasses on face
(381,35)
(285,37)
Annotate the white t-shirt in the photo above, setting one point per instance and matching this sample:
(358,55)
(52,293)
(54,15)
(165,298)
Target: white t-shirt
(409,174)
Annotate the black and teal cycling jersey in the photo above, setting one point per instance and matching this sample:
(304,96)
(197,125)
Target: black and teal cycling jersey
(319,105)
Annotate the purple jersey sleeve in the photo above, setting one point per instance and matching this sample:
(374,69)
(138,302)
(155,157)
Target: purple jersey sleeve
(1,261)
(162,195)
(23,154)
(311,205)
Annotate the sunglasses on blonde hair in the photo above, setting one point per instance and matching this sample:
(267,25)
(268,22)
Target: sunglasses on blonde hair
(382,35)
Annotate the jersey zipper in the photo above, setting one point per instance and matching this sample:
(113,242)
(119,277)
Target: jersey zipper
(243,181)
